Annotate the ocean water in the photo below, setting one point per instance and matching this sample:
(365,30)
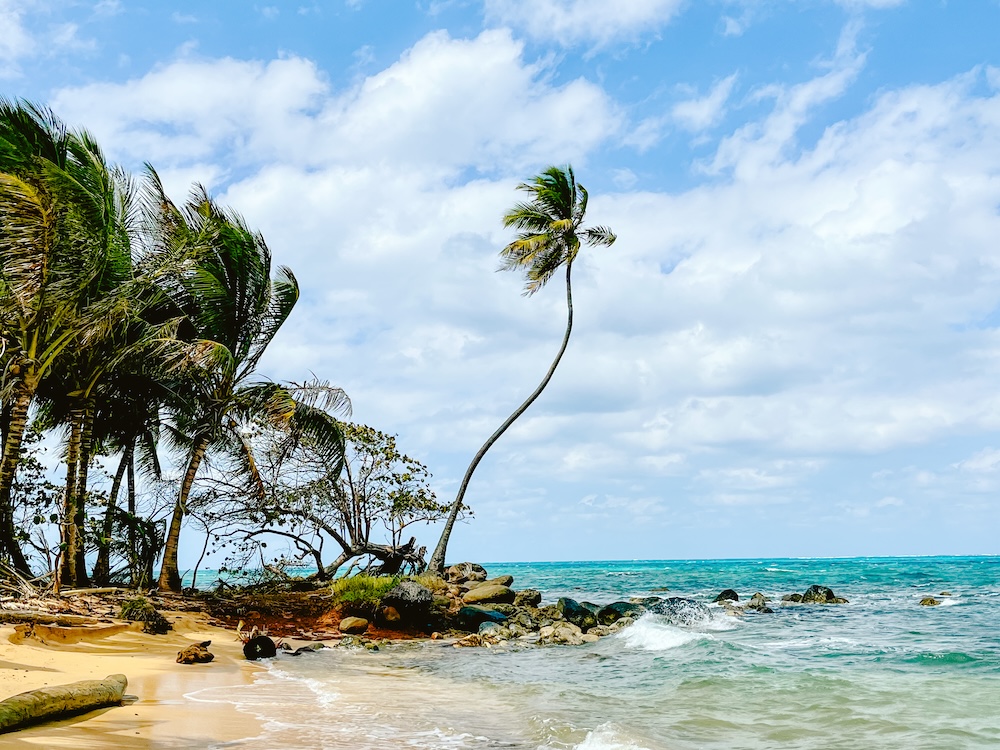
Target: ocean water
(879,672)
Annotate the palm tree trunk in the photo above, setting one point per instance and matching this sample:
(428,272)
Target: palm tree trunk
(436,563)
(67,553)
(170,579)
(133,554)
(82,473)
(102,568)
(18,411)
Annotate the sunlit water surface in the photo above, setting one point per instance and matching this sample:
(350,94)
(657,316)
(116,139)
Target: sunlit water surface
(879,672)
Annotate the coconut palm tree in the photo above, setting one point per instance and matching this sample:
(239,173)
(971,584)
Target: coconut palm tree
(62,245)
(550,235)
(219,278)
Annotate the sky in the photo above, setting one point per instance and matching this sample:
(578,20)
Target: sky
(793,349)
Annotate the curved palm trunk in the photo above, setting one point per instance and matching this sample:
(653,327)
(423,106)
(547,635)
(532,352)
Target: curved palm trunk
(436,563)
(13,438)
(102,568)
(170,578)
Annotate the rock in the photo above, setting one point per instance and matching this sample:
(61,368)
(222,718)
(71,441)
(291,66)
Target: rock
(505,609)
(502,581)
(945,593)
(351,641)
(389,616)
(621,624)
(196,653)
(679,611)
(821,595)
(594,608)
(565,633)
(440,602)
(929,601)
(727,595)
(575,613)
(758,603)
(259,647)
(646,601)
(551,611)
(353,625)
(469,618)
(469,641)
(412,601)
(617,610)
(600,630)
(792,598)
(528,598)
(308,649)
(589,637)
(489,592)
(371,646)
(463,572)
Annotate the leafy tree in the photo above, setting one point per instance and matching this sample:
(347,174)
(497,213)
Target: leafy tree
(550,235)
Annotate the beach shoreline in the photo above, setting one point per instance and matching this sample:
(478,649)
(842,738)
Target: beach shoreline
(167,713)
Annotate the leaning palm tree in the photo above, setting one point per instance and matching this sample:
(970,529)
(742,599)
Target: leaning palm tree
(550,234)
(218,276)
(62,247)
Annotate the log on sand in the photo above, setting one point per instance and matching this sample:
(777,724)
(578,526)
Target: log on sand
(61,700)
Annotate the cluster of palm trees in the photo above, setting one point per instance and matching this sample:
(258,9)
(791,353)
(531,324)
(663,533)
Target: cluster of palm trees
(128,320)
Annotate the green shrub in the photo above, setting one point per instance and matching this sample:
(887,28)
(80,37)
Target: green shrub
(363,590)
(140,609)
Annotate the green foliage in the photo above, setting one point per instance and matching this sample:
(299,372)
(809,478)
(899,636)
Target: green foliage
(140,609)
(363,590)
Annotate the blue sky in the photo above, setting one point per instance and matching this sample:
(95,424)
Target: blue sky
(791,350)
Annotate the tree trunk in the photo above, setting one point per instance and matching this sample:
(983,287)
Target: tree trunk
(436,563)
(58,701)
(9,545)
(67,552)
(135,574)
(170,578)
(82,473)
(102,568)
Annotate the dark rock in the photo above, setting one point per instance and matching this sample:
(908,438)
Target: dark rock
(646,601)
(308,649)
(758,603)
(470,617)
(679,611)
(463,572)
(594,608)
(574,612)
(259,647)
(792,598)
(351,641)
(196,653)
(818,595)
(551,612)
(838,600)
(504,609)
(727,595)
(389,616)
(528,598)
(617,610)
(929,601)
(412,601)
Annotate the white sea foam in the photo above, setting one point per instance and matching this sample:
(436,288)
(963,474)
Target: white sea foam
(608,737)
(650,634)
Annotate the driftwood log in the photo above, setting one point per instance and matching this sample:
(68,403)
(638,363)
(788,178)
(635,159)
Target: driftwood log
(45,618)
(61,700)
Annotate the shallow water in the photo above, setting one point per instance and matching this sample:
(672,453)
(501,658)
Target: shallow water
(879,672)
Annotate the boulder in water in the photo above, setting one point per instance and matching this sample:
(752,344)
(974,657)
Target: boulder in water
(758,603)
(617,610)
(792,598)
(565,633)
(929,601)
(679,611)
(818,595)
(727,595)
(470,617)
(528,598)
(574,612)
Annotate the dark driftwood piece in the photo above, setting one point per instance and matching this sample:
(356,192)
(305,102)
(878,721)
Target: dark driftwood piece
(60,700)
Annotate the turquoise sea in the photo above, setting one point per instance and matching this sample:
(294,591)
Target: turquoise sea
(879,672)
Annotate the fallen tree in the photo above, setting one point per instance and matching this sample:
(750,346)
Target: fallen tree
(61,700)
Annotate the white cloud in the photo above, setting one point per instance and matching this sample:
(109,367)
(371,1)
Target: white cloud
(570,22)
(985,461)
(16,42)
(699,114)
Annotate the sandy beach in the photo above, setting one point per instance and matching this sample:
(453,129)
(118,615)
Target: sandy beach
(168,712)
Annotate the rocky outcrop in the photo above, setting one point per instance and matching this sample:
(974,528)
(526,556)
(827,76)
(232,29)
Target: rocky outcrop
(527,598)
(821,595)
(463,572)
(758,603)
(796,598)
(564,633)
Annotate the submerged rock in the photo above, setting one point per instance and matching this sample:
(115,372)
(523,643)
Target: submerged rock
(792,598)
(679,611)
(929,601)
(821,595)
